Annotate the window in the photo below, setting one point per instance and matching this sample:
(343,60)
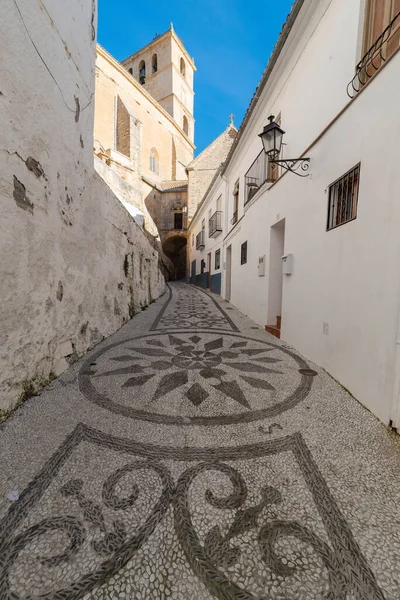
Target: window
(154,66)
(378,16)
(142,72)
(122,129)
(381,40)
(217,259)
(185,125)
(243,253)
(183,67)
(154,160)
(235,203)
(130,70)
(178,220)
(343,198)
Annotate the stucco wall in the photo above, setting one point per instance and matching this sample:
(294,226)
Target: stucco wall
(340,306)
(74,265)
(211,244)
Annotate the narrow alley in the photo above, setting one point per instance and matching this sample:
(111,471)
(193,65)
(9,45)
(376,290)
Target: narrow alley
(193,455)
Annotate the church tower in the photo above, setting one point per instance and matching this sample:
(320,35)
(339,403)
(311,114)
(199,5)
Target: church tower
(166,71)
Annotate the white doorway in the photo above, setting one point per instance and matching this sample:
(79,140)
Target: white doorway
(228,273)
(275,281)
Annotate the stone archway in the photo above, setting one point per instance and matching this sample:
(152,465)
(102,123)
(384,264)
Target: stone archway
(175,248)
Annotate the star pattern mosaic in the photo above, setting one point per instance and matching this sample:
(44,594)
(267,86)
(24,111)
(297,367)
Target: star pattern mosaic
(159,491)
(222,378)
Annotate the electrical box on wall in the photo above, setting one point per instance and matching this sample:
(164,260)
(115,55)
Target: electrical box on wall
(261,266)
(287,264)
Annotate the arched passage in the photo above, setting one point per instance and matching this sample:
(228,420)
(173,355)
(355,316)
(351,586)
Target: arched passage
(175,248)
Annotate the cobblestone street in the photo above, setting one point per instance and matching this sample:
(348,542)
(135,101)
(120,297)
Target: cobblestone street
(191,455)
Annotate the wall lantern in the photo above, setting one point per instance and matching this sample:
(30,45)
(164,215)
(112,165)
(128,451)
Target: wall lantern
(271,137)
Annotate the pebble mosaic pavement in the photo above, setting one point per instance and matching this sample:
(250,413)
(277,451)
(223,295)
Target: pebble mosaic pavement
(187,457)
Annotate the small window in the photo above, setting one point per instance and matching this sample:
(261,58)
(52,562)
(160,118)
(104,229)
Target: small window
(343,199)
(217,259)
(130,70)
(154,161)
(243,253)
(183,67)
(185,125)
(178,220)
(142,72)
(154,66)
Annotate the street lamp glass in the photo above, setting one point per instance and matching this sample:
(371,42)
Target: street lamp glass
(272,138)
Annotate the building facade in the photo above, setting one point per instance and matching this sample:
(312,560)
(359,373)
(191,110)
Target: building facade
(144,131)
(142,136)
(314,258)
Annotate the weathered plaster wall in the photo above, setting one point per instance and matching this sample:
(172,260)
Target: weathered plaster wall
(74,265)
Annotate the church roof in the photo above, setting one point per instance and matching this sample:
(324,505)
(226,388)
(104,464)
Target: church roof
(175,186)
(216,152)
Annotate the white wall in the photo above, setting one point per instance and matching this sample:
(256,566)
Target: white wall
(211,243)
(347,277)
(71,254)
(308,85)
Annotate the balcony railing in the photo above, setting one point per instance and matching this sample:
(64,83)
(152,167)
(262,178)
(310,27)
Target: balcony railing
(215,223)
(235,217)
(255,176)
(379,52)
(200,240)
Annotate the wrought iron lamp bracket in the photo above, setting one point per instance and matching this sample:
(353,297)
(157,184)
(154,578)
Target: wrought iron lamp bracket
(293,165)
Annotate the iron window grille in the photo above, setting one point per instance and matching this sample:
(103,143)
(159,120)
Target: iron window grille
(217,259)
(372,60)
(200,240)
(215,223)
(256,176)
(243,253)
(343,199)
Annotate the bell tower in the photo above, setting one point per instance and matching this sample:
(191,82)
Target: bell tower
(166,71)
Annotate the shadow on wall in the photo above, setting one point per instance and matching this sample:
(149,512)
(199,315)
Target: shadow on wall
(153,204)
(175,248)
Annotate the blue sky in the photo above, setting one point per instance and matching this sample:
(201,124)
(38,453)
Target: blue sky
(230,40)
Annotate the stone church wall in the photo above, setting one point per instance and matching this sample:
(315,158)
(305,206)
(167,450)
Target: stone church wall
(159,131)
(74,265)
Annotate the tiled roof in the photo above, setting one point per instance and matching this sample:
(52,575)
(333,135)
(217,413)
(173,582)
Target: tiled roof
(171,186)
(215,153)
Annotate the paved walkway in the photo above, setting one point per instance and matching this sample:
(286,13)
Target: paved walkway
(189,457)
